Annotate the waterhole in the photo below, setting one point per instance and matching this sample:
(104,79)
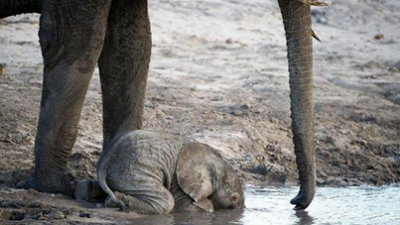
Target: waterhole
(270,205)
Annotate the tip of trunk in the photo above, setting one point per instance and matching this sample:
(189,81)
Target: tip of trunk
(303,200)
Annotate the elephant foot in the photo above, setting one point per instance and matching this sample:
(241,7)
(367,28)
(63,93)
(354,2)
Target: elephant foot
(61,183)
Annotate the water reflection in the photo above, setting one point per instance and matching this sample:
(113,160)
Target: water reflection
(304,218)
(188,218)
(362,205)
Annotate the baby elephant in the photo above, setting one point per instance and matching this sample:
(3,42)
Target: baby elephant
(149,172)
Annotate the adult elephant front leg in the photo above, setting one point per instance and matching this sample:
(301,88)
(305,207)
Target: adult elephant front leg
(124,65)
(71,36)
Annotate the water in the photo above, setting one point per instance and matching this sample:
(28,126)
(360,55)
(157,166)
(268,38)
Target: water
(331,206)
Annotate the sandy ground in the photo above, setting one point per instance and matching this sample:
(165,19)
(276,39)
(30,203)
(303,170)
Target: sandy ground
(219,74)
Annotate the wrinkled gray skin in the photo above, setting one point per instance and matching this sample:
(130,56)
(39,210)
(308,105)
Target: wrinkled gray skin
(149,172)
(75,35)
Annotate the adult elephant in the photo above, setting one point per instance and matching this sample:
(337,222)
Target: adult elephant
(75,35)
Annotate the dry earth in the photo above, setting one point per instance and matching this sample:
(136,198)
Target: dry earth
(219,74)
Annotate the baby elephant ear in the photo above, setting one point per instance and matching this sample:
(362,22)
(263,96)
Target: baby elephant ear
(194,174)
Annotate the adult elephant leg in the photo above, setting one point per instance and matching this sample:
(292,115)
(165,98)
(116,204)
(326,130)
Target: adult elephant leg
(71,36)
(124,64)
(297,21)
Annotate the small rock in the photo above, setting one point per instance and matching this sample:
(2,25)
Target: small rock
(237,112)
(260,158)
(39,216)
(322,20)
(21,184)
(17,215)
(320,181)
(247,157)
(379,36)
(329,140)
(274,120)
(1,69)
(363,142)
(260,169)
(335,181)
(245,107)
(269,148)
(229,41)
(37,205)
(17,136)
(57,215)
(354,182)
(85,215)
(322,173)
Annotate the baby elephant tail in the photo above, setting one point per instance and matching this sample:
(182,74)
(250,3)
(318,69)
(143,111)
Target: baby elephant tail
(101,175)
(102,166)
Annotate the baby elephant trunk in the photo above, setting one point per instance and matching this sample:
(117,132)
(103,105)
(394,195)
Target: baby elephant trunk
(15,7)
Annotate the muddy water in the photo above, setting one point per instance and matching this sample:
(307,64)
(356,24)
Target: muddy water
(361,205)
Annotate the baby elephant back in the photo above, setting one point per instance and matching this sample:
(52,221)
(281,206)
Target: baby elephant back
(142,157)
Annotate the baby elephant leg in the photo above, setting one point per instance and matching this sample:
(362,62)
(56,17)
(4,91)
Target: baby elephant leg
(158,201)
(89,189)
(184,202)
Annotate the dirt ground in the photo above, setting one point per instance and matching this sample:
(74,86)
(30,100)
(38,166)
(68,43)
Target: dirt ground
(219,74)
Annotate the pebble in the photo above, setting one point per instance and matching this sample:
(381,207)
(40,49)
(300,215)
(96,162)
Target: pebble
(245,107)
(274,120)
(21,184)
(238,112)
(39,216)
(322,20)
(363,142)
(17,137)
(57,215)
(379,36)
(85,214)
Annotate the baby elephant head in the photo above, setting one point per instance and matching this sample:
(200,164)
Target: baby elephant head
(206,177)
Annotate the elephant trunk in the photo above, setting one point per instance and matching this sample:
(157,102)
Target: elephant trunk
(15,7)
(297,22)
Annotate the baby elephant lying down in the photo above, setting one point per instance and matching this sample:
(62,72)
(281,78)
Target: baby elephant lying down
(149,172)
